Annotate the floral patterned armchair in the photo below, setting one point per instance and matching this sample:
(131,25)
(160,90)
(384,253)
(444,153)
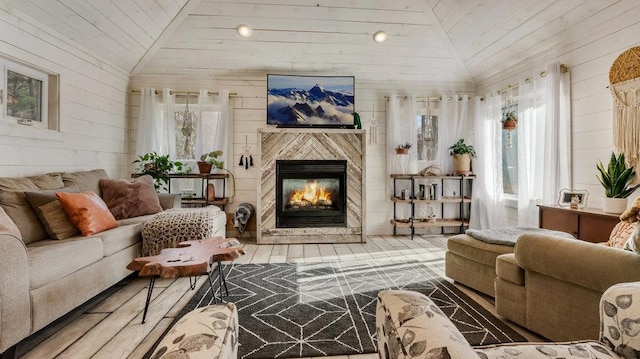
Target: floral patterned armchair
(410,326)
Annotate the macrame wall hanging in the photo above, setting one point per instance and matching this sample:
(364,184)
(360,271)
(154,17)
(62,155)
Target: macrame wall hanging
(624,80)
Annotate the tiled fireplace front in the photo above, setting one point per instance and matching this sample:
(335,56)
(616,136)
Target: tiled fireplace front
(311,186)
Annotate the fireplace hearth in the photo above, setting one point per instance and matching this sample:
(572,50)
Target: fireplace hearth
(311,193)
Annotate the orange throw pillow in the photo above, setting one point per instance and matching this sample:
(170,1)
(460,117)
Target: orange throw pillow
(87,211)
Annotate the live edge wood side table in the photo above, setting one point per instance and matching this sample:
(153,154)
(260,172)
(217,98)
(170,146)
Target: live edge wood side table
(192,258)
(588,224)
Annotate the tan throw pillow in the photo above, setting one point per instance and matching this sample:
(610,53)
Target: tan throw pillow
(620,234)
(127,199)
(7,225)
(52,215)
(87,211)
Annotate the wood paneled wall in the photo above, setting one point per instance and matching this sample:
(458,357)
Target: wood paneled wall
(93,105)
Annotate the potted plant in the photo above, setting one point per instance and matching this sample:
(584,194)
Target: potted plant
(210,160)
(158,167)
(616,179)
(403,149)
(462,154)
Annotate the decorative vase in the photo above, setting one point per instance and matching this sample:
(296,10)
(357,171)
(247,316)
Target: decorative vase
(461,163)
(614,205)
(204,167)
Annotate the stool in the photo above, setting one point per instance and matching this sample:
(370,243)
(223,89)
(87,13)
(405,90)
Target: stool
(170,227)
(209,332)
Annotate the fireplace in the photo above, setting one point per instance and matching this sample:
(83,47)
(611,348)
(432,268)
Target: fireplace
(311,193)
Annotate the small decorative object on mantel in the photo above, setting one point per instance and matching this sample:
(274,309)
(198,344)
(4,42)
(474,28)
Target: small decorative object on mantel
(403,149)
(462,154)
(616,179)
(573,198)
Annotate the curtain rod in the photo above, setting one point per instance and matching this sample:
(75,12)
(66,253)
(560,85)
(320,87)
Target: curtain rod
(563,69)
(158,92)
(423,99)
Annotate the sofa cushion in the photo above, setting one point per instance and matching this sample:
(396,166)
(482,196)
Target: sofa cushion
(476,250)
(14,202)
(87,211)
(19,210)
(50,260)
(7,225)
(620,234)
(121,237)
(85,180)
(135,220)
(508,269)
(127,199)
(32,183)
(52,215)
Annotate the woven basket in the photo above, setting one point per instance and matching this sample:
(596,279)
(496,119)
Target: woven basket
(626,66)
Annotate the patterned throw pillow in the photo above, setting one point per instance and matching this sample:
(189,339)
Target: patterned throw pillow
(127,199)
(620,234)
(87,211)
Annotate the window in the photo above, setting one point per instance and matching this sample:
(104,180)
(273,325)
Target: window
(509,147)
(29,95)
(188,132)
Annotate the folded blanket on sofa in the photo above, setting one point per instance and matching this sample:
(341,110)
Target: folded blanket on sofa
(509,236)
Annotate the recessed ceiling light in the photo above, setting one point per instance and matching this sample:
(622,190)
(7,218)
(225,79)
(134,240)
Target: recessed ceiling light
(380,36)
(244,30)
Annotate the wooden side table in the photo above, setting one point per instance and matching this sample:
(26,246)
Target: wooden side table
(192,258)
(588,224)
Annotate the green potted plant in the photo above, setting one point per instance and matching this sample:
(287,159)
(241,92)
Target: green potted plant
(158,167)
(403,149)
(462,154)
(209,160)
(616,179)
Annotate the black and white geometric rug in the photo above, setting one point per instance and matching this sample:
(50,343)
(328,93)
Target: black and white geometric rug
(319,309)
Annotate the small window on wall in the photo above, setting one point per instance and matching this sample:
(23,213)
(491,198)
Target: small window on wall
(427,135)
(509,123)
(29,96)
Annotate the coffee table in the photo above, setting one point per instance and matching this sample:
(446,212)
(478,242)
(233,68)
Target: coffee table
(192,258)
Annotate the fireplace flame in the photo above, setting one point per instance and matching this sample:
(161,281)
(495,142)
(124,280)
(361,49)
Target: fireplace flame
(312,194)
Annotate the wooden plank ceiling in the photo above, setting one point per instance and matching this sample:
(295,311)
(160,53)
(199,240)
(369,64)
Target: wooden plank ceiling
(451,41)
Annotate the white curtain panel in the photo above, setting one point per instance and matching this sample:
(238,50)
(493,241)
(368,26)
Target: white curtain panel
(487,207)
(168,125)
(452,126)
(147,139)
(401,128)
(544,142)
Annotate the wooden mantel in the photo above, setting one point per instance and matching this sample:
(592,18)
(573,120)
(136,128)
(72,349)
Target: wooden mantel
(311,144)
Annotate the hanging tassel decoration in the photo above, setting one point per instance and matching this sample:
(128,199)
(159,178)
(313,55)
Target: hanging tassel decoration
(241,160)
(250,160)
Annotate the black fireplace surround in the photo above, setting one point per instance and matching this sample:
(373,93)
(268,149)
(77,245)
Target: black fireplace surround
(323,182)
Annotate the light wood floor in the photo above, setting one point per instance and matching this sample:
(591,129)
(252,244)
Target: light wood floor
(110,326)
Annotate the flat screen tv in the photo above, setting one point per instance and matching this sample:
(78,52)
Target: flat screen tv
(310,101)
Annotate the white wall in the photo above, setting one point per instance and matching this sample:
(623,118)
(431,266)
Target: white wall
(93,109)
(591,101)
(250,114)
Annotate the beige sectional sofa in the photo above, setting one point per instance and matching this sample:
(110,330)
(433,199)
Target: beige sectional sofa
(549,285)
(42,278)
(552,286)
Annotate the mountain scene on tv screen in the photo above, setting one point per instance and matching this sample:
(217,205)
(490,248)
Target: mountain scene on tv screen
(316,105)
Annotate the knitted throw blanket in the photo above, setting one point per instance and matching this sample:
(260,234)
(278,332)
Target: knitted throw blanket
(509,236)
